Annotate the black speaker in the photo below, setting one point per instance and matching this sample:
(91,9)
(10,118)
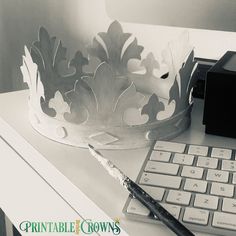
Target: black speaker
(220,97)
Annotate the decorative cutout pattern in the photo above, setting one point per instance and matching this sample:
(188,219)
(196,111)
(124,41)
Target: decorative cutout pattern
(152,108)
(150,63)
(181,96)
(48,56)
(114,41)
(110,99)
(59,105)
(31,76)
(103,104)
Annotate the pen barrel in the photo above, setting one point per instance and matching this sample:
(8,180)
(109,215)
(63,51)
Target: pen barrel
(158,211)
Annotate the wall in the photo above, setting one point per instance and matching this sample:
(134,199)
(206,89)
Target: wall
(75,22)
(201,14)
(21,19)
(206,14)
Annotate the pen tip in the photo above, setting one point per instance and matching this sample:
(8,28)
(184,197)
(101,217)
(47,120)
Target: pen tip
(93,150)
(90,146)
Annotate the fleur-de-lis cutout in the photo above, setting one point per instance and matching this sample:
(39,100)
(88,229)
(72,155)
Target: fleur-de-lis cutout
(59,105)
(114,52)
(150,63)
(78,62)
(152,108)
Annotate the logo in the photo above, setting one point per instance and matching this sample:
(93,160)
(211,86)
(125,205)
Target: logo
(77,227)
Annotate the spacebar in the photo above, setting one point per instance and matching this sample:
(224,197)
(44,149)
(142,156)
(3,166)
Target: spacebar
(160,180)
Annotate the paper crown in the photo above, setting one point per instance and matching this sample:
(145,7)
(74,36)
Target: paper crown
(110,107)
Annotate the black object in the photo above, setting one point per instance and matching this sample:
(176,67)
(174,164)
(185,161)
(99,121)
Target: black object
(220,99)
(156,209)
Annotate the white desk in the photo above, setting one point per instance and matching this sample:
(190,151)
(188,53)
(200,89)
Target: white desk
(81,171)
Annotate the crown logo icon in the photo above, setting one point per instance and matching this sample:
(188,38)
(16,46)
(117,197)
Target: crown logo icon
(111,106)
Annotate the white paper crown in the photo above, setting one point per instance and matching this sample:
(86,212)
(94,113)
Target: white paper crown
(111,107)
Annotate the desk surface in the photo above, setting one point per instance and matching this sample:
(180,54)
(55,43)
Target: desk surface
(86,173)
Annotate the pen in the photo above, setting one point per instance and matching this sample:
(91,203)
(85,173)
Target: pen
(157,210)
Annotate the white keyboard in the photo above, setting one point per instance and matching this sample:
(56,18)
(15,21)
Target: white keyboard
(194,183)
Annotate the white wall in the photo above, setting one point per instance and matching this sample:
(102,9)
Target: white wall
(203,14)
(75,22)
(21,19)
(208,44)
(206,14)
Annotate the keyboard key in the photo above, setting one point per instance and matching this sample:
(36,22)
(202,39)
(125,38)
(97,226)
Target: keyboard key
(154,192)
(234,178)
(198,150)
(178,197)
(224,220)
(172,209)
(229,205)
(192,172)
(162,168)
(206,201)
(217,175)
(170,146)
(197,216)
(228,165)
(221,153)
(136,207)
(195,185)
(207,162)
(160,180)
(184,159)
(160,156)
(225,190)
